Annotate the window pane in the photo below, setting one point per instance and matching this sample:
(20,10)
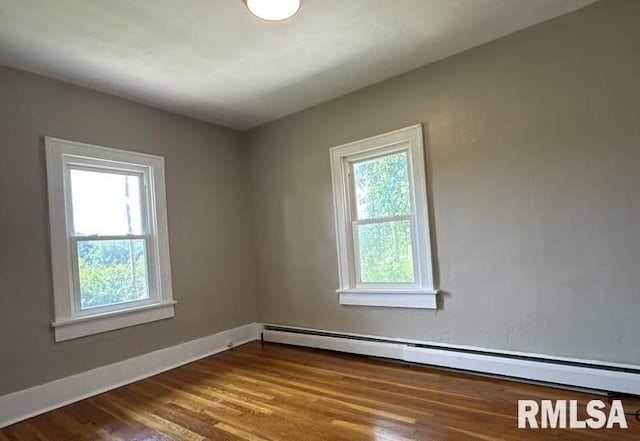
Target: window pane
(385,252)
(105,203)
(112,271)
(382,186)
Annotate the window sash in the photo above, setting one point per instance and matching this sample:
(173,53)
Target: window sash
(90,237)
(354,222)
(383,219)
(102,166)
(356,253)
(369,156)
(106,166)
(76,302)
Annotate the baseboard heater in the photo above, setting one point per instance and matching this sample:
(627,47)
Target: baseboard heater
(594,376)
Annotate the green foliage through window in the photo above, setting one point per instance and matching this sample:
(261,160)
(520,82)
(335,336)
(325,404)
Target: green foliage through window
(382,186)
(385,252)
(111,271)
(381,191)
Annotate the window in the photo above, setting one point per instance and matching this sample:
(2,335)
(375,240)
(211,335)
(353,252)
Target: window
(109,239)
(382,222)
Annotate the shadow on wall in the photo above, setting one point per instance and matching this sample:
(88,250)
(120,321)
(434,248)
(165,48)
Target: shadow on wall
(433,231)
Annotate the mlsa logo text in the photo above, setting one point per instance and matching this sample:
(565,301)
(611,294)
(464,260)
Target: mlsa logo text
(555,414)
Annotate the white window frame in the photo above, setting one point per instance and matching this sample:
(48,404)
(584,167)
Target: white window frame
(70,320)
(422,293)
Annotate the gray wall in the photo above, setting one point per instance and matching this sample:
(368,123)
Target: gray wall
(208,226)
(535,167)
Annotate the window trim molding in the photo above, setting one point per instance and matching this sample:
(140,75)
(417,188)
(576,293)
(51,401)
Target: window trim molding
(109,321)
(421,294)
(70,323)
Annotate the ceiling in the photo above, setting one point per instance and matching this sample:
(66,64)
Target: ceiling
(212,60)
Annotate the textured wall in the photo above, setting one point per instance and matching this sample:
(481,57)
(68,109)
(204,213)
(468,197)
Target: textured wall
(208,226)
(535,167)
(534,144)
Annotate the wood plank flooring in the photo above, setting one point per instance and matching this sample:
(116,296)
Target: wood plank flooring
(272,392)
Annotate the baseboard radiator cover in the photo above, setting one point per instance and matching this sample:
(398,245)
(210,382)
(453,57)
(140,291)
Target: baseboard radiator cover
(27,403)
(554,371)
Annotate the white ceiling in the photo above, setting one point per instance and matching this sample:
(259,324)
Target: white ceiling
(212,60)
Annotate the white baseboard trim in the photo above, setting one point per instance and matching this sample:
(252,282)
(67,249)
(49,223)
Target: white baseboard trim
(529,367)
(30,402)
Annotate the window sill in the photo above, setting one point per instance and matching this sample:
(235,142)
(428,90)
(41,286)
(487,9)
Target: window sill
(389,298)
(94,324)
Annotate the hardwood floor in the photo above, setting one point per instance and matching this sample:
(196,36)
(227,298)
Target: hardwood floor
(275,392)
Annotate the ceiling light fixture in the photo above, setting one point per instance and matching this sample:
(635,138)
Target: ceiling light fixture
(273,10)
